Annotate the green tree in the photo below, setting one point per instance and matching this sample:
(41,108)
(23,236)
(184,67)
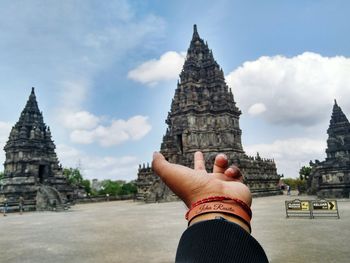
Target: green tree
(110,187)
(87,185)
(295,183)
(292,182)
(128,188)
(73,175)
(117,188)
(75,178)
(305,172)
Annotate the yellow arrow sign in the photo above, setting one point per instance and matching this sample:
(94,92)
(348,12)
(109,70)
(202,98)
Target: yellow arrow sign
(305,205)
(332,205)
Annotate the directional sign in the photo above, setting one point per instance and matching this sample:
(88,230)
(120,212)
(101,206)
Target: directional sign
(298,205)
(324,205)
(299,208)
(294,205)
(332,205)
(305,205)
(312,208)
(321,205)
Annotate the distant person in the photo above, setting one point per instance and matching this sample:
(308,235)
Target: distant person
(54,205)
(4,206)
(219,211)
(20,204)
(288,190)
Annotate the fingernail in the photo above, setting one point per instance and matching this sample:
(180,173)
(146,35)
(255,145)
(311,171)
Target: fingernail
(155,154)
(223,155)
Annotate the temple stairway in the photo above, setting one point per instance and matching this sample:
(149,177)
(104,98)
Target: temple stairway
(48,198)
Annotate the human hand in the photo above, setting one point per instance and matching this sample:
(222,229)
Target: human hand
(195,184)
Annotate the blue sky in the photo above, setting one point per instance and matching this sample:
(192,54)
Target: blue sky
(105,73)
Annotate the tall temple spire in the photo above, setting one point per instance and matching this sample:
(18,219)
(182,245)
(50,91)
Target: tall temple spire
(204,116)
(31,162)
(32,104)
(338,119)
(331,178)
(338,142)
(30,125)
(195,35)
(202,83)
(31,114)
(198,51)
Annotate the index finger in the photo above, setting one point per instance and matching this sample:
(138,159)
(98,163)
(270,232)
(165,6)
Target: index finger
(199,162)
(178,178)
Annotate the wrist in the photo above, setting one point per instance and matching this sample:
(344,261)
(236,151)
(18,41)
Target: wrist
(213,216)
(232,209)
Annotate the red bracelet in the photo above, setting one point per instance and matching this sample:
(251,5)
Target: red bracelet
(221,204)
(232,209)
(221,198)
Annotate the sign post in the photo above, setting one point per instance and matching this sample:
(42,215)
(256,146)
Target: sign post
(312,208)
(298,208)
(325,208)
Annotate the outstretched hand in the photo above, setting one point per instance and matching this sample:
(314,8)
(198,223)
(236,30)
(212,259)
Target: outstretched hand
(195,184)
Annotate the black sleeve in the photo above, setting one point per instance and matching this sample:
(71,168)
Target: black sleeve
(218,241)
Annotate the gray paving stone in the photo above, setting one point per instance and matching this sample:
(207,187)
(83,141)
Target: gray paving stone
(135,232)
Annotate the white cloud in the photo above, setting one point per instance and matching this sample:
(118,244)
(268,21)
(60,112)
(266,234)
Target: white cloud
(106,167)
(167,67)
(82,136)
(67,154)
(257,109)
(290,154)
(86,128)
(297,90)
(80,120)
(73,93)
(70,113)
(118,132)
(5,129)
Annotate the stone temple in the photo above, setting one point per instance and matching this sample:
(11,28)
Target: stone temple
(31,168)
(331,177)
(204,116)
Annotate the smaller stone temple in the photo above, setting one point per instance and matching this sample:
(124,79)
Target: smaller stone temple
(31,168)
(331,177)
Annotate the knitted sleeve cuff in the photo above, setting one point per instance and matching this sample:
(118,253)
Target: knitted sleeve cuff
(218,241)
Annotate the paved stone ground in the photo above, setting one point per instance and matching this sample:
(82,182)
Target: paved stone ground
(134,232)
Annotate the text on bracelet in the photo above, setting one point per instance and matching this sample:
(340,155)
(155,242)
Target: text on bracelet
(215,207)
